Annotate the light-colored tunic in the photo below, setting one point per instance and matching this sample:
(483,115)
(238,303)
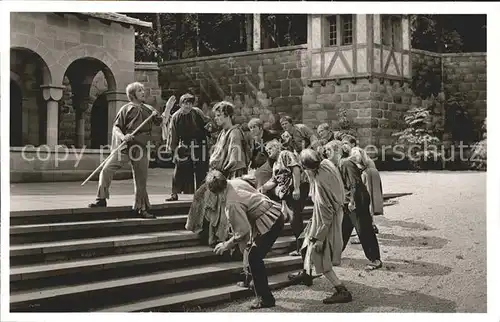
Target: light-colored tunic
(373,182)
(128,118)
(327,190)
(249,212)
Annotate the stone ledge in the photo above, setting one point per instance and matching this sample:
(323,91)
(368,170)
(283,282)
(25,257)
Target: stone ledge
(232,55)
(480,54)
(146,66)
(440,55)
(426,52)
(61,176)
(34,149)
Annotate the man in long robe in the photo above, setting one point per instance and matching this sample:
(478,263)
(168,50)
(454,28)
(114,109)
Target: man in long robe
(135,152)
(323,235)
(188,143)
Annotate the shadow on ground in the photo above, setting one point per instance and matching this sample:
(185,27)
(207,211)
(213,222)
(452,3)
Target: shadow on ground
(423,242)
(365,299)
(384,221)
(399,267)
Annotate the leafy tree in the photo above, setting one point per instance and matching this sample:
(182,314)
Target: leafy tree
(176,36)
(449,33)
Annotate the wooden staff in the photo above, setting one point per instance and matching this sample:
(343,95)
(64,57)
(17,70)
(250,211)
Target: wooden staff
(117,149)
(168,107)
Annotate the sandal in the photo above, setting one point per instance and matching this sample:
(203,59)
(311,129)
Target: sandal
(173,197)
(373,265)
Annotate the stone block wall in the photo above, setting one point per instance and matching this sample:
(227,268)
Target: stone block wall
(466,73)
(324,102)
(269,83)
(147,73)
(60,39)
(264,84)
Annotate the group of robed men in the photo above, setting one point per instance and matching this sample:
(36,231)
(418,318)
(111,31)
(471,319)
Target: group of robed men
(248,185)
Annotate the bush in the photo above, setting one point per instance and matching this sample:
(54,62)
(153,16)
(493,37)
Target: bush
(418,136)
(478,158)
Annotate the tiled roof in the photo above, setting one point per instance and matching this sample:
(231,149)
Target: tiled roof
(118,17)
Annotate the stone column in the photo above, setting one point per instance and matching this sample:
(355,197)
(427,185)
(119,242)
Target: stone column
(25,121)
(52,94)
(115,101)
(256,31)
(80,121)
(81,105)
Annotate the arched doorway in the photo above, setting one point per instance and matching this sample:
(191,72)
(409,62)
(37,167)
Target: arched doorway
(84,75)
(27,107)
(99,123)
(16,115)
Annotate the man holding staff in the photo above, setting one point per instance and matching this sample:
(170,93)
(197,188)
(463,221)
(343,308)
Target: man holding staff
(129,119)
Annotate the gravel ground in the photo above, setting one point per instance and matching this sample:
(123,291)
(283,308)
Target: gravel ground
(433,245)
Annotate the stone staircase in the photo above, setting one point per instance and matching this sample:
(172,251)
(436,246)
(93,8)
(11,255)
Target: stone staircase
(82,260)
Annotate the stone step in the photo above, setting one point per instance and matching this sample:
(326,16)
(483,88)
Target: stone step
(102,246)
(180,302)
(32,217)
(23,234)
(49,232)
(91,296)
(95,224)
(29,273)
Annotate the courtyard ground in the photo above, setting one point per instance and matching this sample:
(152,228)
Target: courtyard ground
(433,243)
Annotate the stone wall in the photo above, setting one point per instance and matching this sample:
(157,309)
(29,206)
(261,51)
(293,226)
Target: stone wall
(60,39)
(263,84)
(268,83)
(466,73)
(147,73)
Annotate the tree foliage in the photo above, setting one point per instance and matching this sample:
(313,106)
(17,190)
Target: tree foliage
(185,35)
(449,33)
(194,35)
(421,145)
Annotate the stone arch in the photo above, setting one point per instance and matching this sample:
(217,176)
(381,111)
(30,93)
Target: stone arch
(81,73)
(39,56)
(28,72)
(109,63)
